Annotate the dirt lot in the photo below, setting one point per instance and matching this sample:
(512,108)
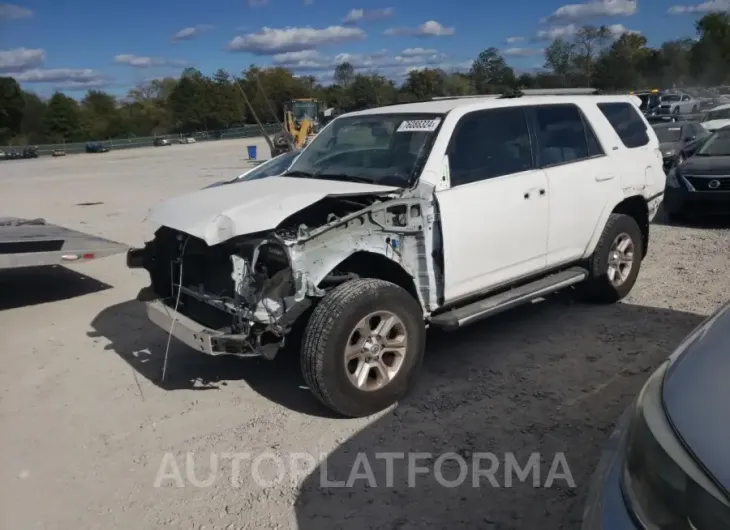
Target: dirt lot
(85,420)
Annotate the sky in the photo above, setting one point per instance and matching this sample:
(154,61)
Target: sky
(75,45)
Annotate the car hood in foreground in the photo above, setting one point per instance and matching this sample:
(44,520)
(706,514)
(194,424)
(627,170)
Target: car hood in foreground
(706,165)
(223,212)
(696,394)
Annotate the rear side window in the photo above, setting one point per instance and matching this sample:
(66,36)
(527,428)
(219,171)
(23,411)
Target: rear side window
(627,123)
(564,135)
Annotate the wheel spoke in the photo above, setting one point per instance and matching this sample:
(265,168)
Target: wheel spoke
(385,325)
(362,373)
(624,244)
(383,373)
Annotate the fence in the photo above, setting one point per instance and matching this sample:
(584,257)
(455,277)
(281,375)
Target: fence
(247,131)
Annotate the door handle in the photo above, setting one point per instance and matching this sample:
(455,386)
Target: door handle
(603,178)
(542,192)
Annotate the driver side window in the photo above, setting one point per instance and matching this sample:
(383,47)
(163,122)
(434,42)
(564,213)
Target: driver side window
(489,144)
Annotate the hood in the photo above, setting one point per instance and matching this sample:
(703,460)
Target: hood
(706,165)
(696,394)
(222,212)
(713,125)
(666,147)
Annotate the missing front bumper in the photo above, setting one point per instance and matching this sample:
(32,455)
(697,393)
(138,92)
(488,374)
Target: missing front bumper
(197,336)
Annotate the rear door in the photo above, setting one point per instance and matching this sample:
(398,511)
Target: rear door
(579,178)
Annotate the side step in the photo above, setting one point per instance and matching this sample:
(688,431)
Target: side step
(492,305)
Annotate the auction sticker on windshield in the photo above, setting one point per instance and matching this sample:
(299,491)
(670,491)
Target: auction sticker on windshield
(419,125)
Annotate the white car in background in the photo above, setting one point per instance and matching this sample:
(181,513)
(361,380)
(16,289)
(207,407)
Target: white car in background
(717,118)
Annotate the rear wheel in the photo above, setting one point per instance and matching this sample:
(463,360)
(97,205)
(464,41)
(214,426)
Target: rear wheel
(615,263)
(363,347)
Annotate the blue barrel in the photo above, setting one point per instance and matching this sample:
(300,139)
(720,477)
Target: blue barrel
(251,152)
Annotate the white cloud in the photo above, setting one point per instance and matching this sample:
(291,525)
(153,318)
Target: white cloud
(593,9)
(147,62)
(367,15)
(79,77)
(427,29)
(417,52)
(704,7)
(270,41)
(522,52)
(191,32)
(312,61)
(515,40)
(565,32)
(20,59)
(14,12)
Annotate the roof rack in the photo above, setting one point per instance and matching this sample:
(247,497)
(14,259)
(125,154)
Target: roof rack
(529,92)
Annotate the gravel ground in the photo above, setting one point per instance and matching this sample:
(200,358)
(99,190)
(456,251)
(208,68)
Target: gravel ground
(86,422)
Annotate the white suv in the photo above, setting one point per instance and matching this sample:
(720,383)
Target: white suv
(394,219)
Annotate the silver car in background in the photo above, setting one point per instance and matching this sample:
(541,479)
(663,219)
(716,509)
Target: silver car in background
(678,103)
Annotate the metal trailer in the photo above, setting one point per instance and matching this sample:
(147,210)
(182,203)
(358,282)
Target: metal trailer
(34,243)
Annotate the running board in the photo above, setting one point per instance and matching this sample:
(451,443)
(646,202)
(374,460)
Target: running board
(457,318)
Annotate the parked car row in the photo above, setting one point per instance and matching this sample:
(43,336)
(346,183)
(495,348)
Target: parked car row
(17,154)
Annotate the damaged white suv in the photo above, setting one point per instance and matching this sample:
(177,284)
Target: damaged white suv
(394,219)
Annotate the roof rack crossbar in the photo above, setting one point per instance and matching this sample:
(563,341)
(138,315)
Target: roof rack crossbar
(529,92)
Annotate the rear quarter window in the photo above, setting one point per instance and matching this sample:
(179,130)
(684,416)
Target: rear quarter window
(627,123)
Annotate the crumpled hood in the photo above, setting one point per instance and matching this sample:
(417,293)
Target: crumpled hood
(696,394)
(220,213)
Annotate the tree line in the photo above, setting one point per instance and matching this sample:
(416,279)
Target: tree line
(593,56)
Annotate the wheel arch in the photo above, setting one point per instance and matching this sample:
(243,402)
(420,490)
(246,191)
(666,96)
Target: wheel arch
(370,264)
(634,206)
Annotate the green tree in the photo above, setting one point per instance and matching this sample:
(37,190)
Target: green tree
(12,105)
(62,120)
(344,74)
(491,73)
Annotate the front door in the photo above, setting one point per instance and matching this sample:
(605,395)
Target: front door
(494,216)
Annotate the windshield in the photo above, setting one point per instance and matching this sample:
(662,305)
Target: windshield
(722,114)
(270,168)
(304,109)
(668,135)
(672,97)
(374,148)
(717,145)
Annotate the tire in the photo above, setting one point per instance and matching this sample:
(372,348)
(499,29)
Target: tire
(598,287)
(675,111)
(331,327)
(695,110)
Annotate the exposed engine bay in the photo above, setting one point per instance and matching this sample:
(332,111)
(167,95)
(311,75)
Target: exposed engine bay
(251,289)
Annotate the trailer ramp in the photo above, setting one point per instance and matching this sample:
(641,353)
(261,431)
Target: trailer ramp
(34,243)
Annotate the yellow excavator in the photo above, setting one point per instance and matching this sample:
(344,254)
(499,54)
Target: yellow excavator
(301,119)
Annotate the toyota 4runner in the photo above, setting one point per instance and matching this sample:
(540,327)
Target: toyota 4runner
(394,219)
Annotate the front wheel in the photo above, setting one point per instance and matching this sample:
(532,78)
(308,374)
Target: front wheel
(363,347)
(614,265)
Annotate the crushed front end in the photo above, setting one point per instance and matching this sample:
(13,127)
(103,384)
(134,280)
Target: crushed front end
(239,297)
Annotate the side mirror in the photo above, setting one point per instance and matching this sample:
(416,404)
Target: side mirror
(690,139)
